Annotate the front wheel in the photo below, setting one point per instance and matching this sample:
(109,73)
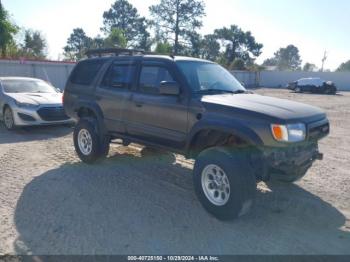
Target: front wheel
(88,143)
(8,119)
(224,182)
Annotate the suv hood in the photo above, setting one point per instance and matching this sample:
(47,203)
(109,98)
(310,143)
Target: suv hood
(280,109)
(37,98)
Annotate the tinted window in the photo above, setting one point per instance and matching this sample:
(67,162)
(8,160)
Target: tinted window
(86,71)
(151,77)
(120,76)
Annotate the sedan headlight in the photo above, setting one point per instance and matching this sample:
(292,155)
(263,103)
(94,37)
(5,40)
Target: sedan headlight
(26,105)
(289,133)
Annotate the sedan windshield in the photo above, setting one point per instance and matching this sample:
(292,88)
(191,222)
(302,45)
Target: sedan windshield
(26,86)
(208,77)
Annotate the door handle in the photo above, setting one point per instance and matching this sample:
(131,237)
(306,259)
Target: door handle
(138,104)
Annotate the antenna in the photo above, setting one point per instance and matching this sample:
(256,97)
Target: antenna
(325,56)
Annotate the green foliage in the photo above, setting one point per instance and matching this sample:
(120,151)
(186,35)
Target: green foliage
(210,48)
(7,31)
(237,44)
(77,44)
(287,58)
(270,62)
(308,67)
(34,45)
(237,64)
(163,48)
(123,16)
(177,22)
(116,38)
(344,67)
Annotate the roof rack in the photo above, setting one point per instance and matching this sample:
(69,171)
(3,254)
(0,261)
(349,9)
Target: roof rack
(115,51)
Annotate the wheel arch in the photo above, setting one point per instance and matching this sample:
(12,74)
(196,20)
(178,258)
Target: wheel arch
(86,109)
(205,135)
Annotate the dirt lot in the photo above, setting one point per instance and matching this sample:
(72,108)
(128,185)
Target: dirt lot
(136,202)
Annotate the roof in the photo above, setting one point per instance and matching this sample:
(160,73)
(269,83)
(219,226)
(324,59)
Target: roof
(156,56)
(17,78)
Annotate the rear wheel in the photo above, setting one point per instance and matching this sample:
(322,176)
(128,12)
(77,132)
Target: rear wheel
(224,182)
(88,142)
(8,119)
(298,89)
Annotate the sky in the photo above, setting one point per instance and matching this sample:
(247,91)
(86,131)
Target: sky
(314,26)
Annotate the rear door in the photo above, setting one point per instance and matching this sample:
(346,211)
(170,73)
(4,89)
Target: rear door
(113,94)
(155,117)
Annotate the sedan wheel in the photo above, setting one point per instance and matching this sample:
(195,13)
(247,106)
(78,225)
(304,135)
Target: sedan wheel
(8,119)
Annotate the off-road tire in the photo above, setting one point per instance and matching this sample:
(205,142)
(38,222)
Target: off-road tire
(242,182)
(99,146)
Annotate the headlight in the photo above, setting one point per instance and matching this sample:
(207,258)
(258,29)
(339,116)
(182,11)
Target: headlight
(26,105)
(289,133)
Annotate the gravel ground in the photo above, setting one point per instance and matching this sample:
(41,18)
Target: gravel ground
(143,203)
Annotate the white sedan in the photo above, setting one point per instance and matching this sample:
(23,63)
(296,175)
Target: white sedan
(30,101)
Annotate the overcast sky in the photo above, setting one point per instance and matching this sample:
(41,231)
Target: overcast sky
(312,25)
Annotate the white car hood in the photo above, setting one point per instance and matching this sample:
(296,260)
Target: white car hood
(37,98)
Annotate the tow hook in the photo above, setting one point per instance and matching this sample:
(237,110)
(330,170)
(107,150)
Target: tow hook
(319,156)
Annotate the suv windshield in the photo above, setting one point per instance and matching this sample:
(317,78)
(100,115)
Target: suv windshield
(27,86)
(209,77)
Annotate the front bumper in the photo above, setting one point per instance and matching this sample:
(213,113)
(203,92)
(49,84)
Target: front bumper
(290,163)
(43,115)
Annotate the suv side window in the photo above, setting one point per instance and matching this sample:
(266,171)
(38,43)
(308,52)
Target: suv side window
(151,77)
(119,76)
(86,71)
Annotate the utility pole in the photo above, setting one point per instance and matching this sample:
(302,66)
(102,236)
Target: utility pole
(323,59)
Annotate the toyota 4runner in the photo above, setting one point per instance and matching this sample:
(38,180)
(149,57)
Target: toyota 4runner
(196,108)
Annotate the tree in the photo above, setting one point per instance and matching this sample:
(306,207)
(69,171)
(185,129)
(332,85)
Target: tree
(270,62)
(7,31)
(237,64)
(34,44)
(308,67)
(344,67)
(210,48)
(77,44)
(237,44)
(163,48)
(123,16)
(178,20)
(287,58)
(116,38)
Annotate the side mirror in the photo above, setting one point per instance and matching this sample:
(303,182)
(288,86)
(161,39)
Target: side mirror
(169,88)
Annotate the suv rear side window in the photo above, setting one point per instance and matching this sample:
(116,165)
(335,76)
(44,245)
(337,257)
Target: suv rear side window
(151,77)
(120,76)
(86,71)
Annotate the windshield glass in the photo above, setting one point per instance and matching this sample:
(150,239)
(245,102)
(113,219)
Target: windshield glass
(27,86)
(205,77)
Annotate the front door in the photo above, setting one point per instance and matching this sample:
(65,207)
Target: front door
(154,117)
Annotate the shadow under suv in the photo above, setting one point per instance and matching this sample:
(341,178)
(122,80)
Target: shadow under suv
(196,108)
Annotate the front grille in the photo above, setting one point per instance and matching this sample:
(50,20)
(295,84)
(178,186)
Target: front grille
(319,131)
(52,113)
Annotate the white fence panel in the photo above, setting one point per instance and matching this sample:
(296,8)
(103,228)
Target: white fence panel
(55,72)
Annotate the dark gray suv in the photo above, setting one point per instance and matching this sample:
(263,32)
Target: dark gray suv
(195,108)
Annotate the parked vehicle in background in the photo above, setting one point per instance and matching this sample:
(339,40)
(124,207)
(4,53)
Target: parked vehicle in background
(30,101)
(313,85)
(196,108)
